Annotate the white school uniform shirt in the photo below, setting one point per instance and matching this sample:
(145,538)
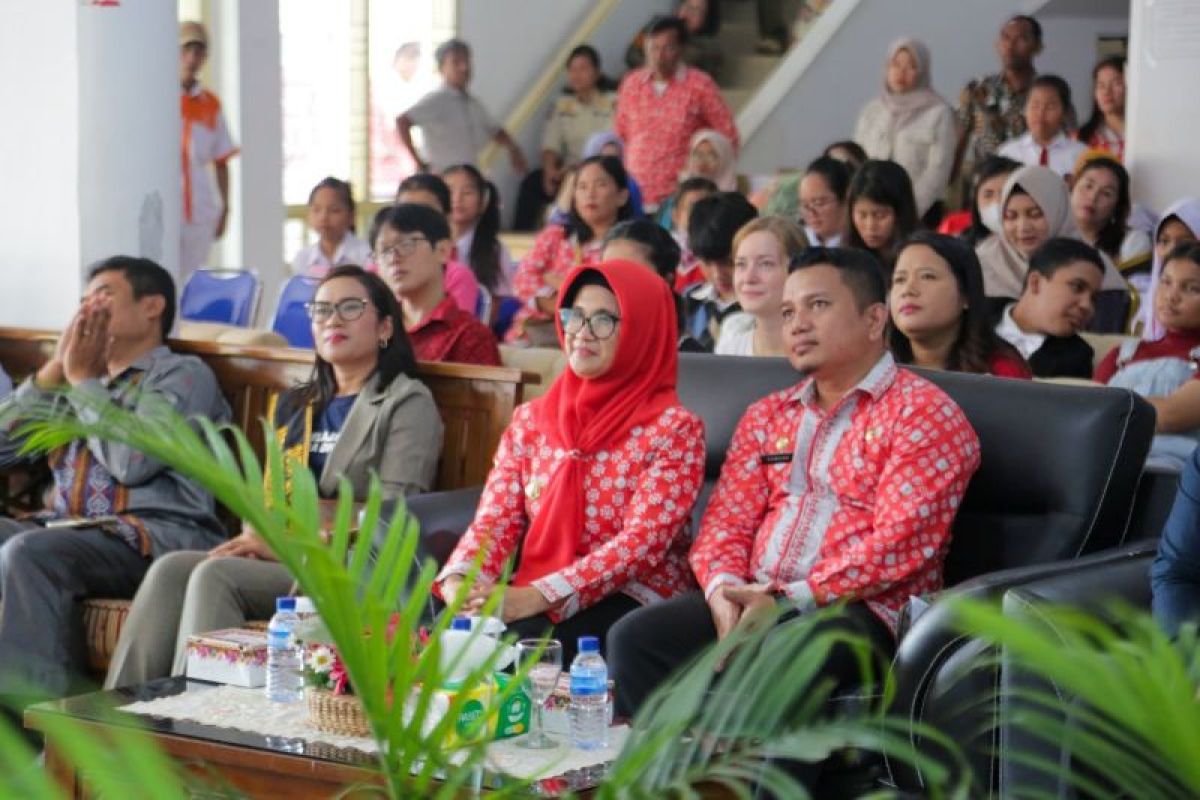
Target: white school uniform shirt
(737,336)
(815,241)
(1062,152)
(1008,330)
(311,261)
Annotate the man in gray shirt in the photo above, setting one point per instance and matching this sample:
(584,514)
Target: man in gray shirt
(112,509)
(455,125)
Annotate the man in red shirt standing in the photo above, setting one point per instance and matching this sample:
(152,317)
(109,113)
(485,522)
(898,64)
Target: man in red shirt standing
(841,488)
(412,245)
(661,105)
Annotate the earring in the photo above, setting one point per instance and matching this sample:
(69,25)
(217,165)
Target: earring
(383,343)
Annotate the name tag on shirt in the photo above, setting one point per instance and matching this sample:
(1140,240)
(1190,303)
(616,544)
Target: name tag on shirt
(775,458)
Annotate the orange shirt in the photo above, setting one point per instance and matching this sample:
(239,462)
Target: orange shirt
(206,141)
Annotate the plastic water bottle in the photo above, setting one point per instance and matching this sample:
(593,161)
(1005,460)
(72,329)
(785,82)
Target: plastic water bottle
(285,681)
(589,712)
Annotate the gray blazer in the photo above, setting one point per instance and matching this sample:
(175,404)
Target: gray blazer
(396,432)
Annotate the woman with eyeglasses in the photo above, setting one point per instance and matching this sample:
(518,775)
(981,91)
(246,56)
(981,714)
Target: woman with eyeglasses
(362,413)
(593,482)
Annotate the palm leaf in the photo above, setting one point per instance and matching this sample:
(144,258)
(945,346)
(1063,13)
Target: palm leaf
(1124,699)
(768,705)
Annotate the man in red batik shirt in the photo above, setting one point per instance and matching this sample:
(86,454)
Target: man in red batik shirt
(841,488)
(661,105)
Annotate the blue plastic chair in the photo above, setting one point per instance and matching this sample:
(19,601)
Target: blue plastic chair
(506,311)
(291,320)
(220,295)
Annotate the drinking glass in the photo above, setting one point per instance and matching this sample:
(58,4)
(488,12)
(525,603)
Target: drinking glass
(542,660)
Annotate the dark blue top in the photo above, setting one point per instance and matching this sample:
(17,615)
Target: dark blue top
(326,430)
(1175,575)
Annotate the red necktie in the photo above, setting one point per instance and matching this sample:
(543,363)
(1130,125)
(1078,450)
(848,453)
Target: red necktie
(1045,159)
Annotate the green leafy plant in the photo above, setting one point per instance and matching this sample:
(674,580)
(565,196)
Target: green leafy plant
(1123,699)
(736,726)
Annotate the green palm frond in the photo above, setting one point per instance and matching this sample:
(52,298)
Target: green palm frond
(768,704)
(1125,697)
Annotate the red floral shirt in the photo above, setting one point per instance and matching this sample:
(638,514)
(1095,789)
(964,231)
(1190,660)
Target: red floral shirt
(553,253)
(856,502)
(451,334)
(639,499)
(657,129)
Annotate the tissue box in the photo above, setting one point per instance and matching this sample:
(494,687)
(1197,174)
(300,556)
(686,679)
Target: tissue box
(236,656)
(504,720)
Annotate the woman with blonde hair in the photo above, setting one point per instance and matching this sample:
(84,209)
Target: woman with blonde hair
(762,250)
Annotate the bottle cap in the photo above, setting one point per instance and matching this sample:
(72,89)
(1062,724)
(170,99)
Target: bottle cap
(285,604)
(589,644)
(460,624)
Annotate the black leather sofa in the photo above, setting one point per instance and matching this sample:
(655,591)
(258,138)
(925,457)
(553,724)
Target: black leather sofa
(1060,471)
(1091,584)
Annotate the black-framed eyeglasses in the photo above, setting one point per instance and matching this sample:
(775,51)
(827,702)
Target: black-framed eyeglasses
(349,309)
(404,247)
(602,324)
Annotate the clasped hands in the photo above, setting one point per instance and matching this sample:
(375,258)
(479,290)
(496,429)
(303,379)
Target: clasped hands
(83,349)
(519,602)
(732,606)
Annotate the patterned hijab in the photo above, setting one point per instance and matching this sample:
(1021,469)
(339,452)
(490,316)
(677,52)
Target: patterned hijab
(586,415)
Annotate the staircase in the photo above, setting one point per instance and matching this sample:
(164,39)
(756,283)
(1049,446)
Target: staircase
(744,70)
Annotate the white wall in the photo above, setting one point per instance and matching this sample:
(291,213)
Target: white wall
(39,214)
(823,104)
(1071,50)
(507,65)
(1164,104)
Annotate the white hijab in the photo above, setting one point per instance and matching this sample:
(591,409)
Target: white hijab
(1187,211)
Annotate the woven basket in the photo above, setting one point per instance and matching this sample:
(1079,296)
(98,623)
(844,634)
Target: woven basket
(336,713)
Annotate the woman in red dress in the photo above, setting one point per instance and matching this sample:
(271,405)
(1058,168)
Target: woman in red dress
(594,482)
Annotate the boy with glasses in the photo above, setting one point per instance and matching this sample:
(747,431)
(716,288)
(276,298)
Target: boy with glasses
(412,245)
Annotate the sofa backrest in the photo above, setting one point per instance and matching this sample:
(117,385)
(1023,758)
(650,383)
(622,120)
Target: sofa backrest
(719,389)
(1058,475)
(476,403)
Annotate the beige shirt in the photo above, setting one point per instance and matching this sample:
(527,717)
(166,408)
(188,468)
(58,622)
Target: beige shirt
(924,147)
(571,123)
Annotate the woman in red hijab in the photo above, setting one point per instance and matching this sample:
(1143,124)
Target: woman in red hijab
(593,482)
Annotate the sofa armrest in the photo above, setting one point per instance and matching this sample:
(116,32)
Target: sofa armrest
(943,680)
(1123,576)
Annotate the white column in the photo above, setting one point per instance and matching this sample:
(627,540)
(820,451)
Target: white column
(245,66)
(1163,110)
(91,147)
(129,149)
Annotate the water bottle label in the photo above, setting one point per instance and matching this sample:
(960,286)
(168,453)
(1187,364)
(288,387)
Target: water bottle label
(279,638)
(587,685)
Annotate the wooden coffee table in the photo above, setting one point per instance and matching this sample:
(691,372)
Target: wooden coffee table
(256,765)
(253,764)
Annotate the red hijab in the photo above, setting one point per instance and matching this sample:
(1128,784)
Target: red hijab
(584,416)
